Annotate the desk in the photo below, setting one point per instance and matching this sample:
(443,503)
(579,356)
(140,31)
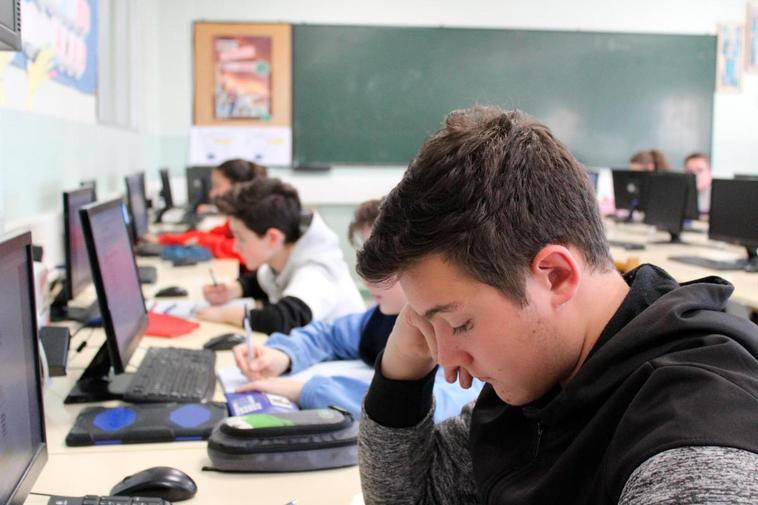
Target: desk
(696,244)
(76,471)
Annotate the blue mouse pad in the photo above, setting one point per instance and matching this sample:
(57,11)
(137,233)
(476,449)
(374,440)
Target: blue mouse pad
(151,422)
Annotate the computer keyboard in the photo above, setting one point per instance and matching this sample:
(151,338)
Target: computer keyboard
(105,500)
(699,261)
(171,374)
(147,274)
(629,246)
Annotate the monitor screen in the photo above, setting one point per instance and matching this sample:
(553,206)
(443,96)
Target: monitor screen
(22,430)
(168,198)
(10,25)
(198,185)
(135,197)
(629,189)
(78,275)
(734,207)
(114,272)
(667,201)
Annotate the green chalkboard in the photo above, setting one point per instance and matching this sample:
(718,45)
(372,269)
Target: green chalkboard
(370,95)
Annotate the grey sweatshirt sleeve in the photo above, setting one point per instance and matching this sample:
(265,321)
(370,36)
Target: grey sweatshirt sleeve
(694,476)
(421,465)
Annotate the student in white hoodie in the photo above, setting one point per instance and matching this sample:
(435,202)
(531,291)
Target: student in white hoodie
(301,274)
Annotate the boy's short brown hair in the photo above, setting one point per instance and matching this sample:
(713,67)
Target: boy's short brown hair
(487,191)
(363,217)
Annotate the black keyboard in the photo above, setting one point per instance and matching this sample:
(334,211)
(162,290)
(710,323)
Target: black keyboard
(105,500)
(629,246)
(699,261)
(170,374)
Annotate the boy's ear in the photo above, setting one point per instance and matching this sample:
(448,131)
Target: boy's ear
(275,237)
(555,268)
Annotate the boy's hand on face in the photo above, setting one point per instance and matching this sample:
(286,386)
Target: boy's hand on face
(289,388)
(408,354)
(266,362)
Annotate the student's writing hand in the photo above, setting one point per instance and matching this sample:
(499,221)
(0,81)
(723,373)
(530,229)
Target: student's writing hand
(219,294)
(267,362)
(282,386)
(229,314)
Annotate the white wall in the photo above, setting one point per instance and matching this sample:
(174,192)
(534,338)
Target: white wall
(735,132)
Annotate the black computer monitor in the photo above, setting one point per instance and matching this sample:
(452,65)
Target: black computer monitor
(668,198)
(198,185)
(734,216)
(168,198)
(691,209)
(78,275)
(593,179)
(748,177)
(114,272)
(92,183)
(23,445)
(630,189)
(137,205)
(10,25)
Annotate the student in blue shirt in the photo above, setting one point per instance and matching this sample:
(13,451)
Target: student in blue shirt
(356,336)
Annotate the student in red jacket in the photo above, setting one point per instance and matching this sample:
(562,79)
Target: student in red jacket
(219,240)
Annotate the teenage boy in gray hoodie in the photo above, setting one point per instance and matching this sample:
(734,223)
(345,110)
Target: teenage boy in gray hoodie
(300,275)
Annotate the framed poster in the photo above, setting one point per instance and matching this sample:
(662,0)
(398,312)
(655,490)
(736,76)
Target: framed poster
(729,57)
(751,38)
(243,74)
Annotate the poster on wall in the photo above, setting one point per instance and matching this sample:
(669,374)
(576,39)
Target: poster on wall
(751,38)
(58,60)
(242,78)
(243,93)
(729,57)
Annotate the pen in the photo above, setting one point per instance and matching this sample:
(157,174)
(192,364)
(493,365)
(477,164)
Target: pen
(213,277)
(248,334)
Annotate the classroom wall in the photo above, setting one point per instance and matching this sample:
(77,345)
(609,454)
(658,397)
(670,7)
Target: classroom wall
(735,131)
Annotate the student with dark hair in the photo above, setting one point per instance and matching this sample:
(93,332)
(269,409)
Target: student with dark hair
(219,240)
(651,160)
(601,388)
(700,165)
(300,276)
(362,336)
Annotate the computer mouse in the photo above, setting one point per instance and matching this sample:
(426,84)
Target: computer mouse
(172,291)
(224,342)
(157,482)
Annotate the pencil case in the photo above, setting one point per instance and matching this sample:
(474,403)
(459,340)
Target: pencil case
(285,441)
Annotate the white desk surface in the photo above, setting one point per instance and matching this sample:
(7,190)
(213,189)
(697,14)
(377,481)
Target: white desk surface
(76,471)
(696,244)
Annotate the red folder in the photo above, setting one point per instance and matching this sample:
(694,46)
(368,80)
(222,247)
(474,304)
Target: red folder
(168,326)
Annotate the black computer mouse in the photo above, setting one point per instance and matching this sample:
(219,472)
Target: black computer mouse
(171,291)
(157,482)
(224,342)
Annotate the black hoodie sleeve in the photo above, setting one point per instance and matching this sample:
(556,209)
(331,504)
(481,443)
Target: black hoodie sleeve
(251,288)
(288,313)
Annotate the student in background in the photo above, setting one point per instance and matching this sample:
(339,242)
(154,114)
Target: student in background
(219,240)
(301,274)
(651,160)
(700,165)
(357,336)
(601,388)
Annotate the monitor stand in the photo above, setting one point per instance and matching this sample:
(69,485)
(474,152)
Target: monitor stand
(676,238)
(98,382)
(89,316)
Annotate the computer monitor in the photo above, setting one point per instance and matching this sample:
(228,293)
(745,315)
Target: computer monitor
(593,178)
(734,216)
(92,183)
(668,196)
(23,446)
(749,177)
(10,25)
(629,189)
(114,272)
(198,185)
(137,205)
(168,198)
(691,209)
(78,275)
